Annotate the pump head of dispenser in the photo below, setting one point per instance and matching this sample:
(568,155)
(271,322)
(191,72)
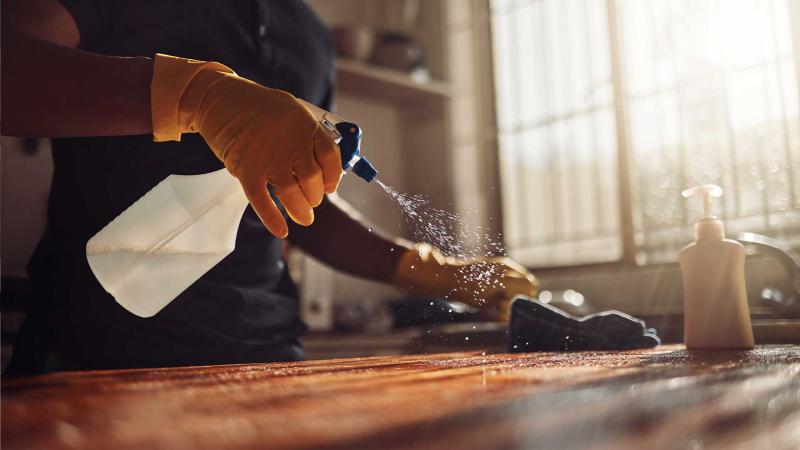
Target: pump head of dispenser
(709,227)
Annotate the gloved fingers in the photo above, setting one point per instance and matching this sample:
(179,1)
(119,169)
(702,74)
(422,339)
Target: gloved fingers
(513,286)
(512,266)
(327,155)
(309,177)
(484,270)
(295,202)
(492,296)
(503,266)
(265,207)
(511,273)
(524,279)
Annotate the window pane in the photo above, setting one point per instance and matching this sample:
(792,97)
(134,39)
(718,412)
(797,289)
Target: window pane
(711,96)
(557,131)
(712,99)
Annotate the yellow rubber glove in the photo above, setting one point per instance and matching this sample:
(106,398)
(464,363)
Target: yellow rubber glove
(486,283)
(262,135)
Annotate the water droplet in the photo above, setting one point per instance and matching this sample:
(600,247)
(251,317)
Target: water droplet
(452,235)
(466,338)
(369,229)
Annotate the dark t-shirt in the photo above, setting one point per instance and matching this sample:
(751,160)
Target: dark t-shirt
(245,308)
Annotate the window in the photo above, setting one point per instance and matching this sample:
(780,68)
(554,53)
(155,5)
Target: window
(607,109)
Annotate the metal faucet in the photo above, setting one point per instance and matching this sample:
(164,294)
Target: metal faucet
(786,305)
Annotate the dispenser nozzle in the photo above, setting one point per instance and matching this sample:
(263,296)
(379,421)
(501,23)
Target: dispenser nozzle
(706,191)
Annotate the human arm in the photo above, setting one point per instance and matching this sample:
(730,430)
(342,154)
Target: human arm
(262,135)
(92,94)
(341,239)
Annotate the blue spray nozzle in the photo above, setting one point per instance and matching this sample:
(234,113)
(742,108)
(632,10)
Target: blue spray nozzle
(363,168)
(350,150)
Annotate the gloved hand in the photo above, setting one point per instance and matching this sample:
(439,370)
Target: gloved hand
(262,135)
(486,283)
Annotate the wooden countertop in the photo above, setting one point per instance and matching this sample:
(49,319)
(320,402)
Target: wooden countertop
(659,398)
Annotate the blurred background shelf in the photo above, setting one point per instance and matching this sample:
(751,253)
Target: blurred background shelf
(366,80)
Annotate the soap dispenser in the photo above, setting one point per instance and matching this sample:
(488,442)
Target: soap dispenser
(715,312)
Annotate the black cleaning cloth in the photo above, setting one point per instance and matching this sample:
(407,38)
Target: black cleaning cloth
(539,327)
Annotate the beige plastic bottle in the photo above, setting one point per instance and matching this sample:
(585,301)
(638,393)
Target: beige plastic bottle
(715,312)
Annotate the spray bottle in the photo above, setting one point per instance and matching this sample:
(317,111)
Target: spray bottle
(184,226)
(714,296)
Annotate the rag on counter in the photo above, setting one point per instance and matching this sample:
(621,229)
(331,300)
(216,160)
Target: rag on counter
(538,327)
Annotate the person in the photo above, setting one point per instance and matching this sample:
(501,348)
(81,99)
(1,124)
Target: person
(98,78)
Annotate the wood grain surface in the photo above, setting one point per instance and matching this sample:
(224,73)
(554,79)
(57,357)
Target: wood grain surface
(665,397)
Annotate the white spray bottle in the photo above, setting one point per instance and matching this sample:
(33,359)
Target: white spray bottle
(184,226)
(715,308)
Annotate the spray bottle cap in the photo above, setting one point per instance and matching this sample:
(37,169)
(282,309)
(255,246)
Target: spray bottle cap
(364,169)
(708,227)
(350,149)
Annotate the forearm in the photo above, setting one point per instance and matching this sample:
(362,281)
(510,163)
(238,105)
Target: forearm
(92,95)
(340,239)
